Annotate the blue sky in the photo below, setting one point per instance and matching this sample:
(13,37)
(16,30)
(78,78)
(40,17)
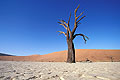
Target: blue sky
(29,26)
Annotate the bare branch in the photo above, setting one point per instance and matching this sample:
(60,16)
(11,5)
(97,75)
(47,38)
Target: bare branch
(69,24)
(63,22)
(80,14)
(81,19)
(84,37)
(63,25)
(76,10)
(69,18)
(75,24)
(61,32)
(67,34)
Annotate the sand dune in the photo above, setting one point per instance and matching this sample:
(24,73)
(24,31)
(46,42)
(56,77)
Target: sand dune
(81,55)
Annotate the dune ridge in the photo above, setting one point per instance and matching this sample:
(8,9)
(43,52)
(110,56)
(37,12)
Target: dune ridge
(96,55)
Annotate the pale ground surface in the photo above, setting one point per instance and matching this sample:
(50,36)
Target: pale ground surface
(59,71)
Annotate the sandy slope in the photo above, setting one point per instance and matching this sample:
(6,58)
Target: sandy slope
(12,70)
(81,55)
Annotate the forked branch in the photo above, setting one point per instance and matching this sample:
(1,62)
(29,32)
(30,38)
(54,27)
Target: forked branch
(61,32)
(80,15)
(80,19)
(63,25)
(76,20)
(66,26)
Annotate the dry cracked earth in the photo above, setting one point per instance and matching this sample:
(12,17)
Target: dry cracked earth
(13,70)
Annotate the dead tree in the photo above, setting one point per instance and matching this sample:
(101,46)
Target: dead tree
(111,59)
(70,35)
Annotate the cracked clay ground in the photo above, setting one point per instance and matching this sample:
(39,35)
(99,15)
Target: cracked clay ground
(59,71)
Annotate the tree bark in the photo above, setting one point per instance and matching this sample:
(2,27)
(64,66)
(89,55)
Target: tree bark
(71,52)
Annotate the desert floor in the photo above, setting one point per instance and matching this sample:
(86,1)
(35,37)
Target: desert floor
(13,70)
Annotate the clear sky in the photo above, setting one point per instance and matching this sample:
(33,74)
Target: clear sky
(29,26)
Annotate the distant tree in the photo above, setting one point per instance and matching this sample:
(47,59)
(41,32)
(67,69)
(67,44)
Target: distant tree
(111,59)
(70,35)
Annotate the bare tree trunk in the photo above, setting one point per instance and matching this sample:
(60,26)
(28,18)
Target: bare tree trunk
(71,52)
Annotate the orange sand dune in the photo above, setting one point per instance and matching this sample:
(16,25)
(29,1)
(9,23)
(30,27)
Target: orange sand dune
(81,55)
